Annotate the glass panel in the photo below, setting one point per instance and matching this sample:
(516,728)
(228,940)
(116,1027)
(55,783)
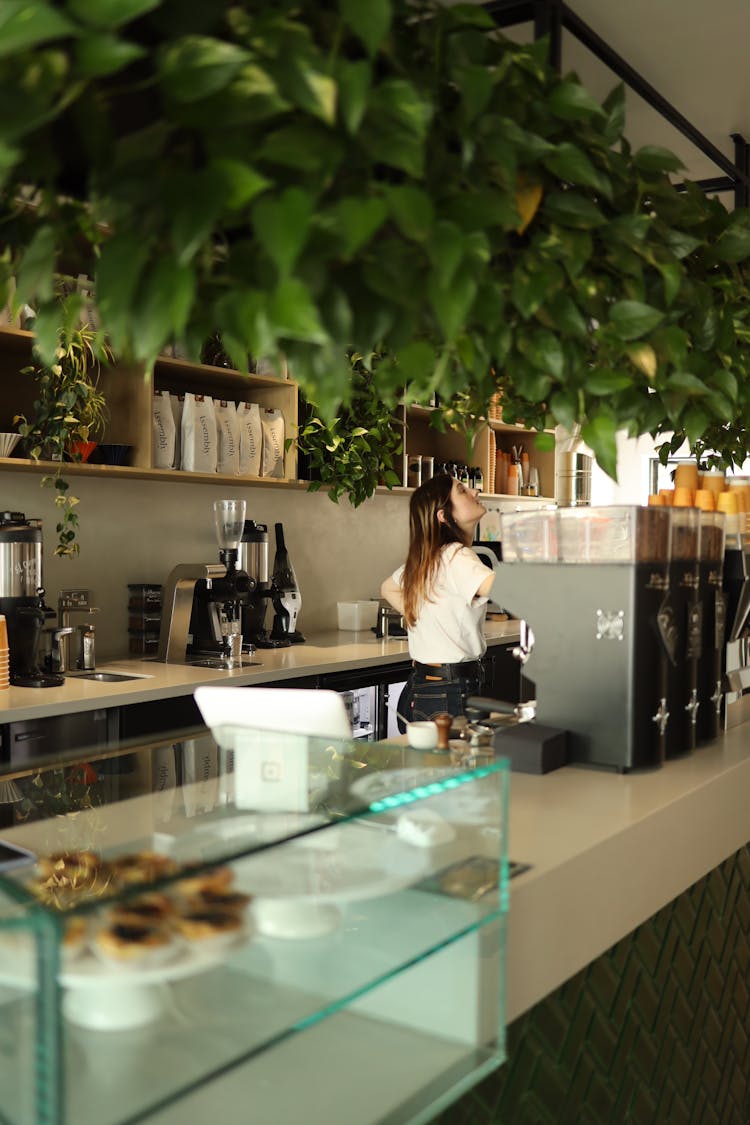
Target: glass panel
(208,903)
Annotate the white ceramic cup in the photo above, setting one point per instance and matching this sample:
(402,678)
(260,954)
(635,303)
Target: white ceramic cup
(422,735)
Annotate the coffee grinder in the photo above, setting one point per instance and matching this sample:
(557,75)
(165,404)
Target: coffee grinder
(254,561)
(22,598)
(216,618)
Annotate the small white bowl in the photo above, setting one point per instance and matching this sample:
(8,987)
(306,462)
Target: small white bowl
(422,735)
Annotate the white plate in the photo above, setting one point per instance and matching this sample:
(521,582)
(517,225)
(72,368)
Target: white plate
(339,864)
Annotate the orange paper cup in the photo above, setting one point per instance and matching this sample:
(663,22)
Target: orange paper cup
(683,497)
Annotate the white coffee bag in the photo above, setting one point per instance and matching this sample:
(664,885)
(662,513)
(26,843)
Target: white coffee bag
(163,431)
(273,443)
(251,438)
(228,432)
(198,434)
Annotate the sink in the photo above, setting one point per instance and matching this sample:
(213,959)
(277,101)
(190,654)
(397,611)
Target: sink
(106,677)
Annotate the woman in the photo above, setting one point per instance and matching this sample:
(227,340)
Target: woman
(442,592)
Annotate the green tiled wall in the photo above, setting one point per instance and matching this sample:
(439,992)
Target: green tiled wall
(654,1032)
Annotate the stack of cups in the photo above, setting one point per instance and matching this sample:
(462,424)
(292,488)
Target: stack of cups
(4,655)
(685,484)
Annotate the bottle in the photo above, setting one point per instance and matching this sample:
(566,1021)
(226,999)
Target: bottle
(477,478)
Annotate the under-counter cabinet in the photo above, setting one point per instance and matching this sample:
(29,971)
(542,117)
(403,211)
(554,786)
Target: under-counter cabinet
(336,958)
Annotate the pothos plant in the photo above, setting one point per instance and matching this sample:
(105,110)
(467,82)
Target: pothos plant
(359,448)
(69,410)
(314,178)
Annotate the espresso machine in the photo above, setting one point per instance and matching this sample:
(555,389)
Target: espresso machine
(217,602)
(592,583)
(254,561)
(22,598)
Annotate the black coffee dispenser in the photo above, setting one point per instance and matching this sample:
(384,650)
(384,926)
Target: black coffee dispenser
(685,631)
(22,598)
(713,603)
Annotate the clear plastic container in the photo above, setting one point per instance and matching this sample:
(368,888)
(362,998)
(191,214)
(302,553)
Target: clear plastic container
(529,536)
(615,534)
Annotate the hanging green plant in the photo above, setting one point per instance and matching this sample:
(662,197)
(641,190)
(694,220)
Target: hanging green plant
(69,410)
(357,450)
(310,179)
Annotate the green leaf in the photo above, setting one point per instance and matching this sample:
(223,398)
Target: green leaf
(571,102)
(563,405)
(600,434)
(293,313)
(396,124)
(417,362)
(24,25)
(572,209)
(686,383)
(733,244)
(301,147)
(605,381)
(725,381)
(705,328)
(100,55)
(282,226)
(118,273)
(357,219)
(614,107)
(630,229)
(695,424)
(196,65)
(354,80)
(681,244)
(653,158)
(545,443)
(162,306)
(532,284)
(565,315)
(110,13)
(474,84)
(452,304)
(240,182)
(411,209)
(570,163)
(544,351)
(632,319)
(446,249)
(369,21)
(672,278)
(311,89)
(194,211)
(37,265)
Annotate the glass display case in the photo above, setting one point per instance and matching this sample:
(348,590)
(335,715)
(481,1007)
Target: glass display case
(292,929)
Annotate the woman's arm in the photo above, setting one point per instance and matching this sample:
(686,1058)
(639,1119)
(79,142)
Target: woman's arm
(487,584)
(393,593)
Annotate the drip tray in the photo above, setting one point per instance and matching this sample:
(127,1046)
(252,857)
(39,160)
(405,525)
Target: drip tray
(213,662)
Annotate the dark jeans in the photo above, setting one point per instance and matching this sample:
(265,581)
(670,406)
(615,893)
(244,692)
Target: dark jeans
(432,691)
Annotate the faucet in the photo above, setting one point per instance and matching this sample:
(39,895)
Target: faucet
(177,605)
(68,603)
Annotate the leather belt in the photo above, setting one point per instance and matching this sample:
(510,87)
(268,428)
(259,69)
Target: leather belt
(462,670)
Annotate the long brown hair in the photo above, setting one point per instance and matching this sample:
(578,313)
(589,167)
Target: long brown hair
(427,537)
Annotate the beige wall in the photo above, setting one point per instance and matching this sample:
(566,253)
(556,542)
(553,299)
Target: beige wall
(136,530)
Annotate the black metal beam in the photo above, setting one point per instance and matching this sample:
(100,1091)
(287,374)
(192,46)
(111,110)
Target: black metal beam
(741,192)
(644,89)
(548,21)
(713,183)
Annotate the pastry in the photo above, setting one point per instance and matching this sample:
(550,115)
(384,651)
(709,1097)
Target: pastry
(146,910)
(69,864)
(132,942)
(220,900)
(143,867)
(208,922)
(216,880)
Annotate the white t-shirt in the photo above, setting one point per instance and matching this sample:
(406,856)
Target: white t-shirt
(449,625)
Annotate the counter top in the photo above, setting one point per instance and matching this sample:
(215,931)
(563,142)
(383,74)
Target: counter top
(322,653)
(609,850)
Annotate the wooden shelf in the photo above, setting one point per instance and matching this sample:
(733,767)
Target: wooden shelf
(134,472)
